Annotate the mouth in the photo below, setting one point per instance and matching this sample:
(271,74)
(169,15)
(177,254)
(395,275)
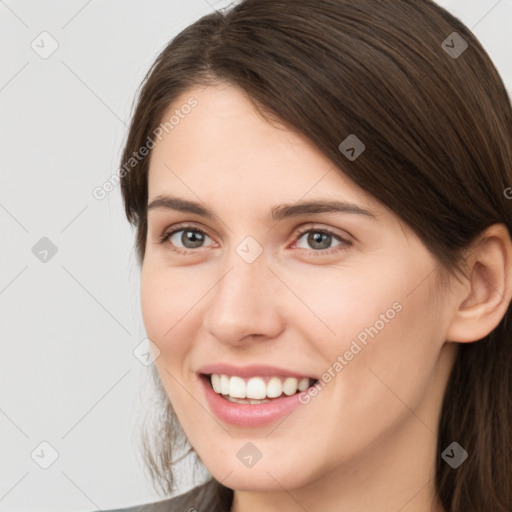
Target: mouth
(258,389)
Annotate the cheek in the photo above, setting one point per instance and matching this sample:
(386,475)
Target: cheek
(377,321)
(165,303)
(153,299)
(344,305)
(395,354)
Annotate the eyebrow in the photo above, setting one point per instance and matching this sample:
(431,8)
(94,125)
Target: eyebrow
(279,212)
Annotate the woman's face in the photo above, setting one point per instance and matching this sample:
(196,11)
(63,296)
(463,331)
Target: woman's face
(345,297)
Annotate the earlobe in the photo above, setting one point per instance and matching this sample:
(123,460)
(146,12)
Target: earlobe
(485,297)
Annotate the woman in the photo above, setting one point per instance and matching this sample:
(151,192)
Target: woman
(319,190)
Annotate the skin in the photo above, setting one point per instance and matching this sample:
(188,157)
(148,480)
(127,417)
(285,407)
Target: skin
(367,441)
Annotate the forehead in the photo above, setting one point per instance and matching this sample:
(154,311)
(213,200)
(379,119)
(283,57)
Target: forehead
(224,148)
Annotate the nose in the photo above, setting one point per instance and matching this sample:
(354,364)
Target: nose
(244,304)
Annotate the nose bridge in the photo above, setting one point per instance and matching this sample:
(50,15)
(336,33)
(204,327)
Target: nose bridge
(241,302)
(245,274)
(239,292)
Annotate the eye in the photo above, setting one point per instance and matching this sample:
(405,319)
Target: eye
(320,240)
(191,237)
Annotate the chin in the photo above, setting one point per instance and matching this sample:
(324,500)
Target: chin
(262,477)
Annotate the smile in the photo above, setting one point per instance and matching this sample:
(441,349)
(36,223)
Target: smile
(258,400)
(257,390)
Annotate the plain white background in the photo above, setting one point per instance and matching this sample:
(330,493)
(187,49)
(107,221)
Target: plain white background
(71,318)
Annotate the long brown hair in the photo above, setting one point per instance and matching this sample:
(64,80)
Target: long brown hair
(436,121)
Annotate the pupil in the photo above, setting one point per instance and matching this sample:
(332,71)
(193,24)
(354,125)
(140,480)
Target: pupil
(315,238)
(192,236)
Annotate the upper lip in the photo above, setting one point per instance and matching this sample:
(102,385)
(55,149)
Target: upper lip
(253,370)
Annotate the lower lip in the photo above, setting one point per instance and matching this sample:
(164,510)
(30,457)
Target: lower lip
(249,415)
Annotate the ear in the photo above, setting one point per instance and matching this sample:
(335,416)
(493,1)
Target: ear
(484,298)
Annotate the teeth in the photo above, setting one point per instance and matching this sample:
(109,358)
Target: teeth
(304,384)
(238,401)
(215,380)
(274,387)
(224,384)
(257,388)
(237,388)
(290,386)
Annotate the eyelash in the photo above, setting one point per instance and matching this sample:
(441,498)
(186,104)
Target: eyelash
(344,244)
